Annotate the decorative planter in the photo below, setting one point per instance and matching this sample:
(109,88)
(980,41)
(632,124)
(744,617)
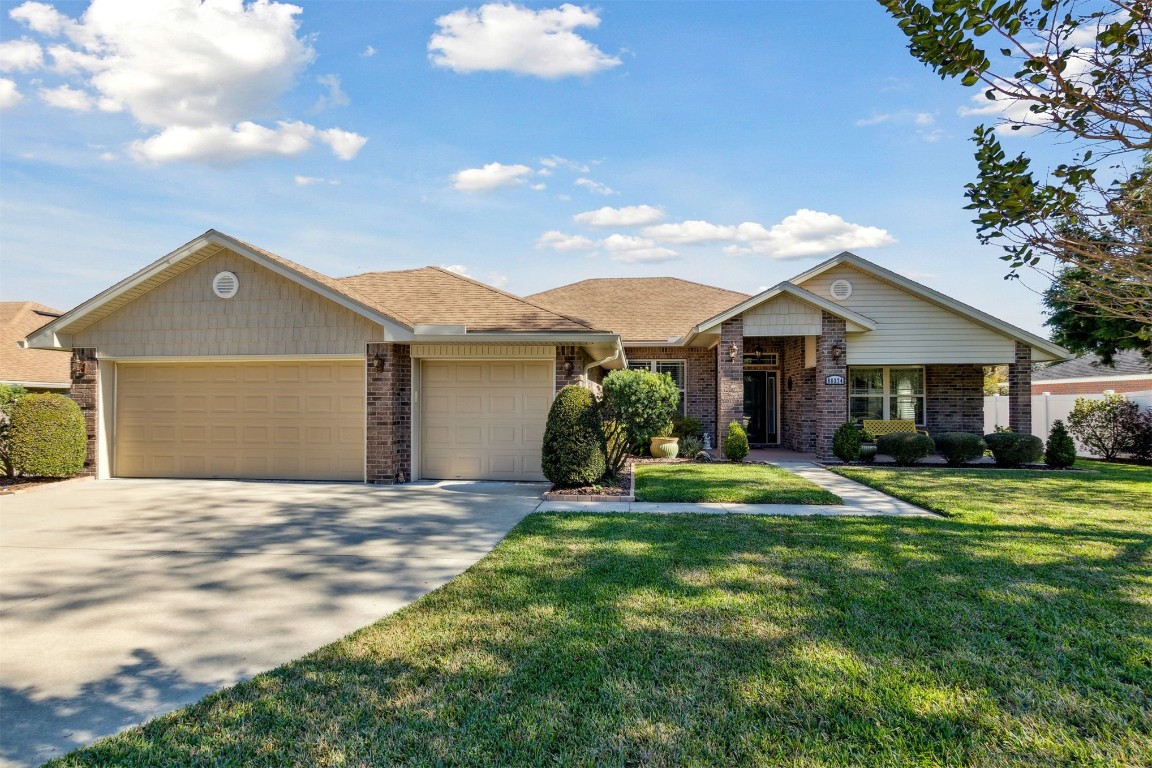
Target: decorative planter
(868,452)
(664,447)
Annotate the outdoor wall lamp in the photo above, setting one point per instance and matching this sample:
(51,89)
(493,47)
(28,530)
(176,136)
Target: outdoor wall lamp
(837,353)
(79,369)
(733,351)
(569,365)
(379,362)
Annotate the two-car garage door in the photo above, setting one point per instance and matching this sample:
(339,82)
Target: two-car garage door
(292,420)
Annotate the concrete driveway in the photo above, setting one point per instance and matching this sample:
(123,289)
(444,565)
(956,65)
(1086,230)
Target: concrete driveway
(123,599)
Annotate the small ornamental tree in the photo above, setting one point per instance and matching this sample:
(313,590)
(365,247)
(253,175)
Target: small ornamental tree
(642,402)
(1011,449)
(735,443)
(47,436)
(573,450)
(846,442)
(959,447)
(1060,453)
(9,394)
(1101,426)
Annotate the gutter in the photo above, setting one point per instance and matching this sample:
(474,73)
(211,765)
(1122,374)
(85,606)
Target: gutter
(615,356)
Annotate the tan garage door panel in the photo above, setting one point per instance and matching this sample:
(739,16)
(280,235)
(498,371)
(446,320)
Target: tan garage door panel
(484,420)
(274,420)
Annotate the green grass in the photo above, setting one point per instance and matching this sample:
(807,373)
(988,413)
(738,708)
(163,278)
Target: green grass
(732,483)
(1016,632)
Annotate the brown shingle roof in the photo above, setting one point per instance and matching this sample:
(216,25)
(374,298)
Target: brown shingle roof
(40,366)
(640,309)
(435,296)
(1127,362)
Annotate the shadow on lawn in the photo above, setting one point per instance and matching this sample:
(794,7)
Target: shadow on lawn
(616,640)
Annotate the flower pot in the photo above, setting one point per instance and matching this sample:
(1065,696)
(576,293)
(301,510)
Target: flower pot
(664,447)
(868,452)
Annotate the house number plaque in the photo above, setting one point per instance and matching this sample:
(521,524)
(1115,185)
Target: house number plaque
(834,380)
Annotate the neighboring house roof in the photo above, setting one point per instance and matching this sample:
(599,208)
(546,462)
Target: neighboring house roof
(42,369)
(641,309)
(1127,363)
(435,296)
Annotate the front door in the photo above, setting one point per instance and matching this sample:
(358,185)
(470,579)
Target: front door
(760,407)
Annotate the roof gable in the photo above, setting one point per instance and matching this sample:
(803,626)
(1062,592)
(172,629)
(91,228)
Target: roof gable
(854,321)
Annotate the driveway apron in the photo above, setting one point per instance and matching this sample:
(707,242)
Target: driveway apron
(124,599)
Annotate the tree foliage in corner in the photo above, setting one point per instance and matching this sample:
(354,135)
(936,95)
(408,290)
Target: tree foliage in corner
(1082,71)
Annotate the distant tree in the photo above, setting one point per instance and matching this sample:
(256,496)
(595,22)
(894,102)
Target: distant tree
(1082,71)
(995,379)
(1078,328)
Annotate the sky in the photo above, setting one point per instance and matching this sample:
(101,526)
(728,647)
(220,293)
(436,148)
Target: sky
(526,145)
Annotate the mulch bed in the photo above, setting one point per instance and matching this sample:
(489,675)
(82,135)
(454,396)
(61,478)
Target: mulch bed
(15,484)
(596,492)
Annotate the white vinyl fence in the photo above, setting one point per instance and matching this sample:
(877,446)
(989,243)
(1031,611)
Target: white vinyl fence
(1047,408)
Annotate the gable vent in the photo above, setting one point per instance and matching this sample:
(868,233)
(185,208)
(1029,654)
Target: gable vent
(840,289)
(225,285)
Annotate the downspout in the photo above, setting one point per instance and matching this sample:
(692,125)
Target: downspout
(590,366)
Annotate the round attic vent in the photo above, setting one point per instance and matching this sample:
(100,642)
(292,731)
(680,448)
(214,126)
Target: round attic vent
(840,289)
(225,285)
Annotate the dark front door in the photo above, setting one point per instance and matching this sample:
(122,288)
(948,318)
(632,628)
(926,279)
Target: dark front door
(760,406)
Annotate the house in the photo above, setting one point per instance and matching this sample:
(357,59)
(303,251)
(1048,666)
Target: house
(1087,375)
(224,360)
(34,369)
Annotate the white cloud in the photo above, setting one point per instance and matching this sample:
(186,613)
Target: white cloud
(307,181)
(68,98)
(20,55)
(200,73)
(805,233)
(1012,111)
(559,241)
(497,280)
(335,96)
(637,249)
(459,269)
(491,176)
(924,118)
(511,38)
(875,119)
(595,186)
(627,216)
(10,95)
(555,161)
(40,17)
(539,187)
(368,52)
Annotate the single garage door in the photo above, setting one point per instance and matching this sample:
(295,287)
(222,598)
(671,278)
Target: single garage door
(484,420)
(258,420)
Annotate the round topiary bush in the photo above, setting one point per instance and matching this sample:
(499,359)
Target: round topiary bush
(1060,453)
(735,443)
(573,450)
(905,448)
(1012,450)
(959,447)
(47,436)
(846,442)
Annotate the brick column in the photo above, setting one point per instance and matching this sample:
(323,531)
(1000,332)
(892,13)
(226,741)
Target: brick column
(388,434)
(1020,391)
(564,375)
(831,399)
(86,392)
(729,378)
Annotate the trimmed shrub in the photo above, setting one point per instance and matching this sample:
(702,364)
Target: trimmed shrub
(1060,452)
(47,436)
(906,448)
(846,442)
(686,426)
(735,443)
(1011,449)
(642,402)
(1102,425)
(1139,430)
(959,447)
(9,394)
(573,450)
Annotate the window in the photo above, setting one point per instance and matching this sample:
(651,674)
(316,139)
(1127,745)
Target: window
(677,369)
(886,393)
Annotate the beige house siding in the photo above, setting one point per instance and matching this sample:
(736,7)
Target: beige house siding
(783,316)
(909,329)
(269,315)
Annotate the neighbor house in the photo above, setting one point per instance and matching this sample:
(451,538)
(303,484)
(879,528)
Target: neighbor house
(224,360)
(1088,375)
(38,370)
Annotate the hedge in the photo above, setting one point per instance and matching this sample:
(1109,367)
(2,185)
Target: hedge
(47,436)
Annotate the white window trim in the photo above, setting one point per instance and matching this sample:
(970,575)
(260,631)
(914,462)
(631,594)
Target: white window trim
(652,367)
(887,395)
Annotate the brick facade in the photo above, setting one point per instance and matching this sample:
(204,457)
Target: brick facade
(701,379)
(1020,391)
(797,398)
(729,377)
(831,399)
(1057,387)
(566,375)
(86,392)
(954,398)
(388,439)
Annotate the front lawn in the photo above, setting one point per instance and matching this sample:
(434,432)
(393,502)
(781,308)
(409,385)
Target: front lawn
(731,483)
(1017,632)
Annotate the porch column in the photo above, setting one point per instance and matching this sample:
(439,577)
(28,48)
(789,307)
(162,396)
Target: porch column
(1020,391)
(831,398)
(729,377)
(86,392)
(388,416)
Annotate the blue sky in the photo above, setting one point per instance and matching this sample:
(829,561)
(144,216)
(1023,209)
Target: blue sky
(732,143)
